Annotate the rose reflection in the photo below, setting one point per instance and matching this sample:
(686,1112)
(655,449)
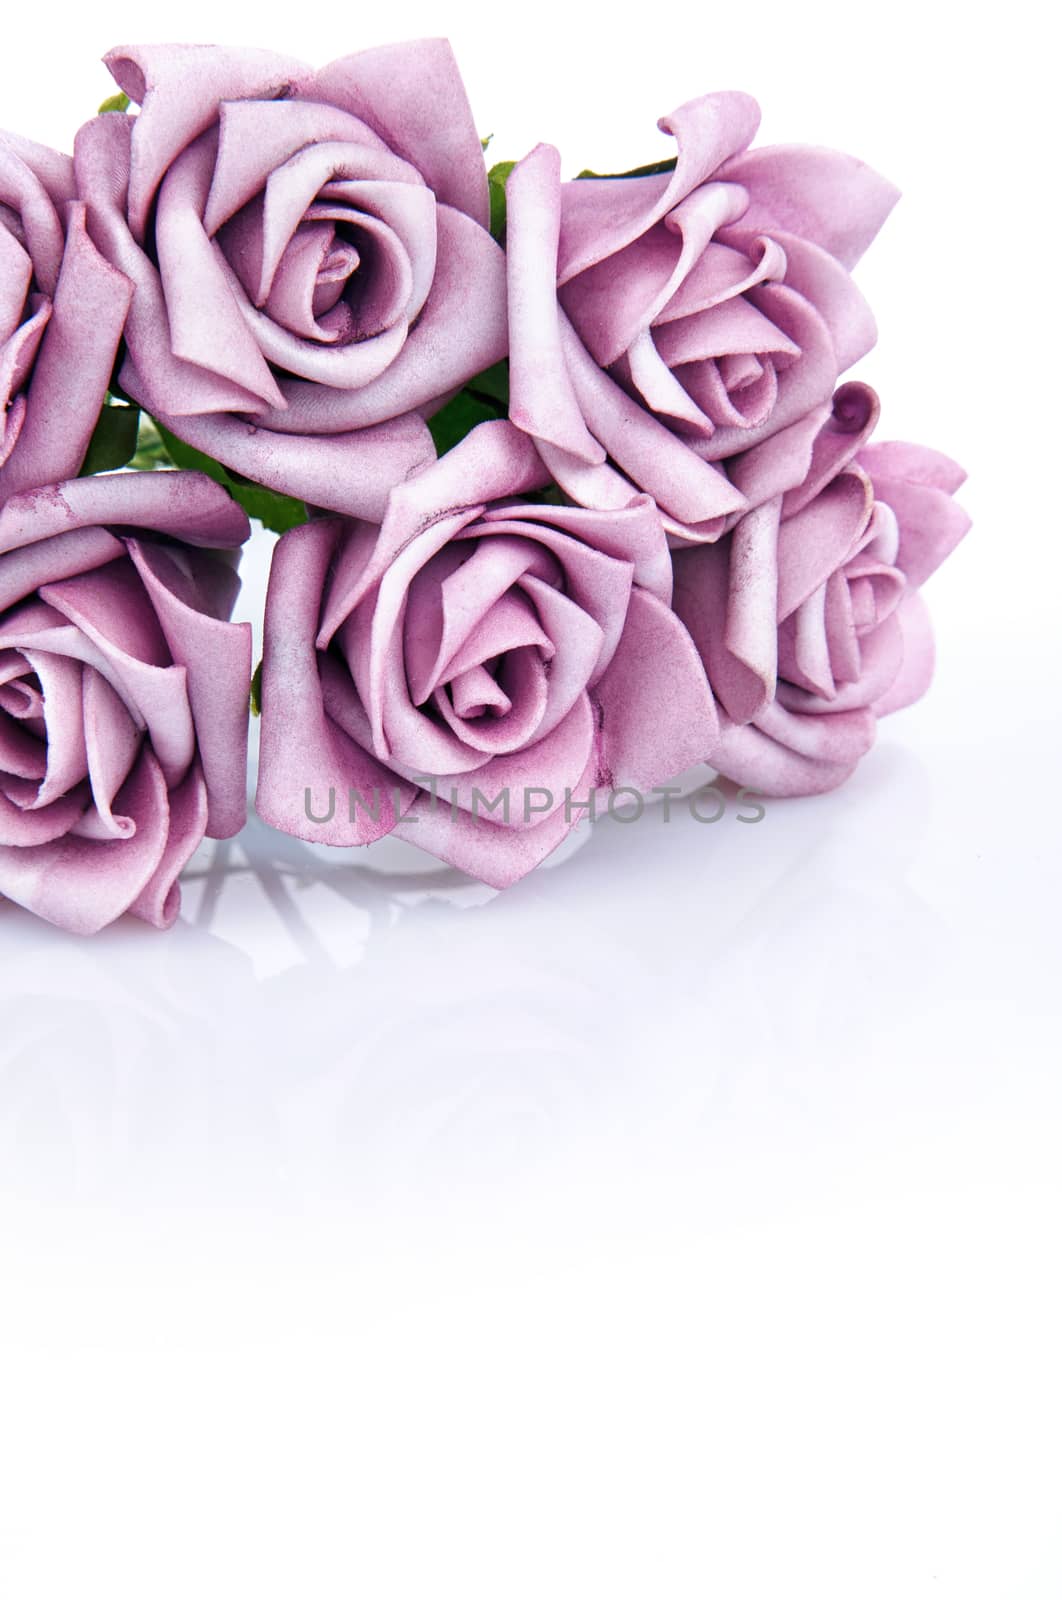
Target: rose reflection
(320,1034)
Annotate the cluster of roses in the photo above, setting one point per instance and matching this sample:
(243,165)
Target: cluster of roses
(579,501)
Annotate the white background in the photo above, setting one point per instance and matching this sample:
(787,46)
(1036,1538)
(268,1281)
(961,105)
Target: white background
(684,1222)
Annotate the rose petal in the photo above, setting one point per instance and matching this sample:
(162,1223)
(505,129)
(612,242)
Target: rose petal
(159,901)
(916,671)
(817,540)
(188,505)
(216,655)
(22,190)
(783,753)
(824,196)
(931,523)
(602,215)
(179,88)
(16,278)
(411,94)
(541,398)
(24,570)
(304,752)
(81,885)
(54,171)
(656,711)
(111,611)
(492,852)
(101,158)
(257,136)
(657,461)
(205,307)
(351,472)
(73,366)
(726,594)
(460,332)
(112,740)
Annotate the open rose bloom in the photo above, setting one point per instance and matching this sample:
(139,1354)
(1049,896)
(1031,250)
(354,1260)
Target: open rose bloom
(808,615)
(123,692)
(309,253)
(662,325)
(470,669)
(62,309)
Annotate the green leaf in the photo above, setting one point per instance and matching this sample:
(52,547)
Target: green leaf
(496,180)
(113,441)
(256,691)
(492,385)
(151,453)
(277,512)
(653,170)
(484,398)
(116,102)
(458,417)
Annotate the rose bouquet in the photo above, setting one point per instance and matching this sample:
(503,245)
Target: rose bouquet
(567,490)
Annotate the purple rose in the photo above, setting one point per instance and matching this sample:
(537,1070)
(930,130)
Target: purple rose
(61,314)
(808,615)
(310,256)
(472,668)
(662,325)
(123,692)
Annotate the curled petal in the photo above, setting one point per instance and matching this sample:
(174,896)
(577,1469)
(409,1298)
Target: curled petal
(541,399)
(411,94)
(348,472)
(23,193)
(112,740)
(81,885)
(727,596)
(53,170)
(785,753)
(460,332)
(495,854)
(187,505)
(602,215)
(27,567)
(684,486)
(207,326)
(159,901)
(630,532)
(493,461)
(179,88)
(916,671)
(73,365)
(820,278)
(817,540)
(256,136)
(824,196)
(656,711)
(851,421)
(931,523)
(304,751)
(802,385)
(111,613)
(162,381)
(216,656)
